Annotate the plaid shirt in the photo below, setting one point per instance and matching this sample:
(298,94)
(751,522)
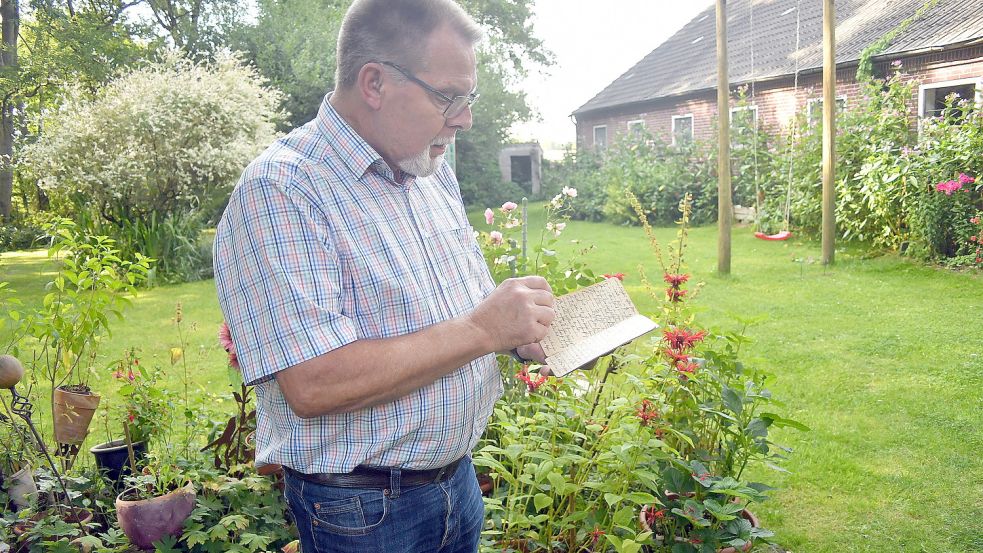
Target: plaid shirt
(319,247)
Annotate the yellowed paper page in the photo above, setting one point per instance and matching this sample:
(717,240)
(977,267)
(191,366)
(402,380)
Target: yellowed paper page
(592,322)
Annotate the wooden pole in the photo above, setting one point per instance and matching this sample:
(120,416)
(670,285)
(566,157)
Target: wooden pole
(725,211)
(829,132)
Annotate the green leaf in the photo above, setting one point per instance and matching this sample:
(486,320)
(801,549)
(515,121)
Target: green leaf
(541,501)
(612,499)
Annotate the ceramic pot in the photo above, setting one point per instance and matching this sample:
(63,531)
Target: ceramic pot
(21,488)
(145,521)
(73,413)
(113,459)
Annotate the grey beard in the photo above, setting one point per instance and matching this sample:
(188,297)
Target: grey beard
(421,165)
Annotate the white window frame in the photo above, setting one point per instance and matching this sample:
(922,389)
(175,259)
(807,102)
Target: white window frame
(745,108)
(636,123)
(812,101)
(692,126)
(922,89)
(594,136)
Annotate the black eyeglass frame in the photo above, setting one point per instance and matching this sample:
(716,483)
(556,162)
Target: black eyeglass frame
(457,102)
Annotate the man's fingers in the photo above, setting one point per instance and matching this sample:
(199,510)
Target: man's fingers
(537,282)
(542,297)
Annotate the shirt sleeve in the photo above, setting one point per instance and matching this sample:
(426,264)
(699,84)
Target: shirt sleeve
(279,280)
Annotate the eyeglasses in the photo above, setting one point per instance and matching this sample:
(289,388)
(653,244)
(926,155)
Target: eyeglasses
(455,105)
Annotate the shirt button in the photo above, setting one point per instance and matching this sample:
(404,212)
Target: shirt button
(317,505)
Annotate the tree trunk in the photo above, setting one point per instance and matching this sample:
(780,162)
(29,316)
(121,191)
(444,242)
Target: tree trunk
(9,12)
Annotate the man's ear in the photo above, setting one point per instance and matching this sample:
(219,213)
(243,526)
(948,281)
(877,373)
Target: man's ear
(370,84)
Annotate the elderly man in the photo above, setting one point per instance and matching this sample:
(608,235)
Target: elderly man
(359,302)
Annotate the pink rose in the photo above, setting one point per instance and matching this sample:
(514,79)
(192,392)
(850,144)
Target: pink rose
(509,206)
(489,216)
(496,237)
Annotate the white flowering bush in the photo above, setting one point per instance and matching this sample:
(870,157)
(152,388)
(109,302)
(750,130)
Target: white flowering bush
(158,140)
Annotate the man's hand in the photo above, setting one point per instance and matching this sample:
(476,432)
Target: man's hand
(517,313)
(532,352)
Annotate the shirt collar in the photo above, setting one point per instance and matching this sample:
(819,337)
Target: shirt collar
(350,147)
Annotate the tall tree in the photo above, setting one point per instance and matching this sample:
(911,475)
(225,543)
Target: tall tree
(10,11)
(197,27)
(49,45)
(293,46)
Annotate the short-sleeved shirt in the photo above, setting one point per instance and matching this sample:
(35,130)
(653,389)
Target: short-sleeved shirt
(320,246)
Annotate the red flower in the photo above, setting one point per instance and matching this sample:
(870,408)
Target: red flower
(596,534)
(532,383)
(675,280)
(974,220)
(676,357)
(619,276)
(130,375)
(676,295)
(647,412)
(687,367)
(966,179)
(681,339)
(653,516)
(131,416)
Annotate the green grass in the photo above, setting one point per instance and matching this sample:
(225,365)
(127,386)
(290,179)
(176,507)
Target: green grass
(881,357)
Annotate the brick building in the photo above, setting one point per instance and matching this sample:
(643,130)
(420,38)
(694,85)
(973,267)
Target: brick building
(776,45)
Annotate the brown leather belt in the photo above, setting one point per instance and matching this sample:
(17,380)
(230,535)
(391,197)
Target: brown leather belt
(378,477)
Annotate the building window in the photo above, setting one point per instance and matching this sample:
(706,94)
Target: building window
(682,129)
(932,97)
(743,126)
(600,137)
(744,119)
(814,109)
(636,128)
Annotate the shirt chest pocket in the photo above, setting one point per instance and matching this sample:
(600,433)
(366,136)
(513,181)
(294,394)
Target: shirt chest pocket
(458,268)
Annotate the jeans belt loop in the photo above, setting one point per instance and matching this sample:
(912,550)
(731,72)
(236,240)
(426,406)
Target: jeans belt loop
(394,475)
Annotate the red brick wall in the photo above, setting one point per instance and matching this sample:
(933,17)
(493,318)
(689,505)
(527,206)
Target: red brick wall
(774,99)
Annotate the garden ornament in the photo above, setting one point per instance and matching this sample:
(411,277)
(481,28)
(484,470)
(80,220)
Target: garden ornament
(11,372)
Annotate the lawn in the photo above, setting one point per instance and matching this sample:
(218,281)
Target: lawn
(881,357)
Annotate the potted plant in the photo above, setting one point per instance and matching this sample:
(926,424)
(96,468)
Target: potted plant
(16,459)
(143,415)
(91,284)
(155,504)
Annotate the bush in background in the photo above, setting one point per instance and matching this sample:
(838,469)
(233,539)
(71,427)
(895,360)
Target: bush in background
(156,152)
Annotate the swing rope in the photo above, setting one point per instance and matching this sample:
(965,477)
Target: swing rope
(785,234)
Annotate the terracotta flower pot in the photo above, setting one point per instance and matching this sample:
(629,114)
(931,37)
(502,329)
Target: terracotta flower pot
(73,413)
(745,514)
(145,521)
(21,487)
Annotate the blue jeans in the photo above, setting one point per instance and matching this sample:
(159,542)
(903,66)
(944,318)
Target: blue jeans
(441,517)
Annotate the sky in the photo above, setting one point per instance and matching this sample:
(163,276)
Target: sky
(594,42)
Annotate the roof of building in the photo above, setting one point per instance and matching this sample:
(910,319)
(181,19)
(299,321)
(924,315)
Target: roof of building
(687,61)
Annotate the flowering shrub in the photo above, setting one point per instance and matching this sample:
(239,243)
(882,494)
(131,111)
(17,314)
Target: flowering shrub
(157,138)
(510,251)
(145,402)
(661,432)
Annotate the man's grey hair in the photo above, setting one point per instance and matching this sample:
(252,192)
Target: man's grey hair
(395,31)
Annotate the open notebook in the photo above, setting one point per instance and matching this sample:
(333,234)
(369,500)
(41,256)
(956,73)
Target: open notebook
(592,322)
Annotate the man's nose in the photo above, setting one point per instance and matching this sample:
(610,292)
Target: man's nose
(462,121)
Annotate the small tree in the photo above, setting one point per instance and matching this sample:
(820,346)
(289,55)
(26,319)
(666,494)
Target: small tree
(158,140)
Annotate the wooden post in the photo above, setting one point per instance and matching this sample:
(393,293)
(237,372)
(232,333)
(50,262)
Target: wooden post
(725,211)
(829,132)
